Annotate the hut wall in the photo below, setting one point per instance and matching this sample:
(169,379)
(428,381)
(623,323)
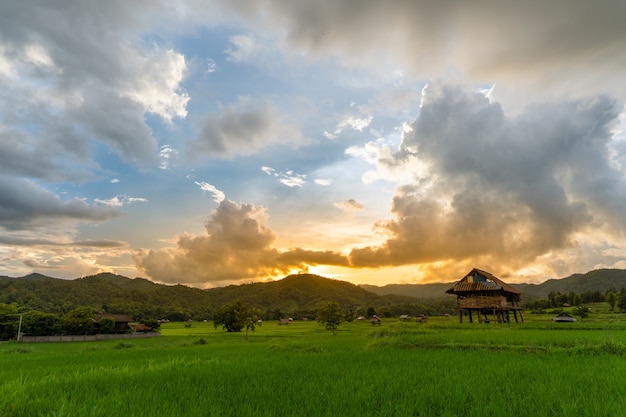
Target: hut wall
(483,301)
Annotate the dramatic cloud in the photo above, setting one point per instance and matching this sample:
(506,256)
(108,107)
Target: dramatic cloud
(84,75)
(513,161)
(237,246)
(508,190)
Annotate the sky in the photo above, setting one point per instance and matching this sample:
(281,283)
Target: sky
(210,143)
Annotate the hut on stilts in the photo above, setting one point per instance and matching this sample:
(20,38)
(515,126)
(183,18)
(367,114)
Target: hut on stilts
(482,293)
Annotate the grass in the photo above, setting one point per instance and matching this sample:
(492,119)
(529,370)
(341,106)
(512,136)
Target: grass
(439,368)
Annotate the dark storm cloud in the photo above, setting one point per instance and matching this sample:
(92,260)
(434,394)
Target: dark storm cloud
(23,241)
(570,47)
(24,205)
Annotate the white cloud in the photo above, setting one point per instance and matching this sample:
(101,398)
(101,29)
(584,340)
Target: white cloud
(167,157)
(120,200)
(211,65)
(288,178)
(269,171)
(323,181)
(218,196)
(243,47)
(157,85)
(293,180)
(354,122)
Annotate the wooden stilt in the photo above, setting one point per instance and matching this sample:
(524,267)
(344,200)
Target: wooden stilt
(515,315)
(461,316)
(470,316)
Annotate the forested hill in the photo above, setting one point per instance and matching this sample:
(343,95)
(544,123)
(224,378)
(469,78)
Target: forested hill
(293,294)
(432,290)
(597,280)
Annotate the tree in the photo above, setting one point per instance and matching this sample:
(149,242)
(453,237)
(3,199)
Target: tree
(577,300)
(9,319)
(233,317)
(79,321)
(621,300)
(251,320)
(582,312)
(611,298)
(106,325)
(38,323)
(330,316)
(152,323)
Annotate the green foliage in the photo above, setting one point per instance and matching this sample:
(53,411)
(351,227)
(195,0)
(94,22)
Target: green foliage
(151,322)
(233,317)
(251,320)
(293,296)
(330,316)
(401,369)
(582,312)
(79,321)
(611,298)
(106,325)
(38,323)
(621,300)
(9,321)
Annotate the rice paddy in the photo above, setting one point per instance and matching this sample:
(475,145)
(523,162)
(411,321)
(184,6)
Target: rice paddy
(438,368)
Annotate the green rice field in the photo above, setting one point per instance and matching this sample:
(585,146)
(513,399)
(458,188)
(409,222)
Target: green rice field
(438,368)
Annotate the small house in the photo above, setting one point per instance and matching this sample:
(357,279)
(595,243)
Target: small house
(140,327)
(121,322)
(563,317)
(482,293)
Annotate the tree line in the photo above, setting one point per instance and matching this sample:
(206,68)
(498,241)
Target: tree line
(78,321)
(556,299)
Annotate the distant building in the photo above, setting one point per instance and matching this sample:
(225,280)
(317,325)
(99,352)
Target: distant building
(482,293)
(563,317)
(121,322)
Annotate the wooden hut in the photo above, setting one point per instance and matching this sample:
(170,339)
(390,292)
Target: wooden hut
(563,318)
(484,294)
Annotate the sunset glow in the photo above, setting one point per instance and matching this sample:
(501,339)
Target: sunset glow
(220,142)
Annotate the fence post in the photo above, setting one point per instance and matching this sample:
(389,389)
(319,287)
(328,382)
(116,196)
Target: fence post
(19,329)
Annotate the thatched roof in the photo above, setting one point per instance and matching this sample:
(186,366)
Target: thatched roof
(479,280)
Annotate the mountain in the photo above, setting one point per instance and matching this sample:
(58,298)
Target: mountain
(434,290)
(303,293)
(596,280)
